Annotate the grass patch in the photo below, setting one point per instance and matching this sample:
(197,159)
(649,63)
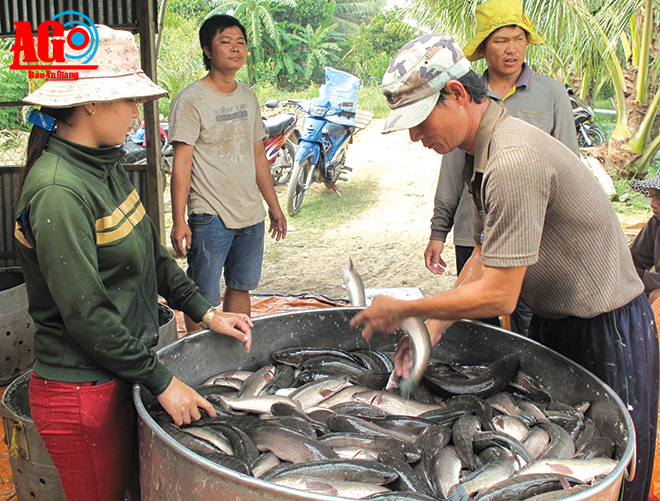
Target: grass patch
(322,208)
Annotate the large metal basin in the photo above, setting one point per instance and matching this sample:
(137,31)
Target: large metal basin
(171,472)
(16,326)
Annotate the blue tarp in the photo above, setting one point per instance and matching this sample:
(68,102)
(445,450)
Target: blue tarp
(341,88)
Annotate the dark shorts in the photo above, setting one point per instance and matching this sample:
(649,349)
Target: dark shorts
(621,348)
(215,247)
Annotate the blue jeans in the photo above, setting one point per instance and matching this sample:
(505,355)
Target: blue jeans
(215,247)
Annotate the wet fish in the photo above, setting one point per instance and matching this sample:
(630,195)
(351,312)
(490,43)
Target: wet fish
(373,472)
(585,470)
(420,341)
(296,355)
(492,380)
(354,285)
(358,374)
(242,375)
(259,404)
(484,439)
(462,432)
(214,437)
(598,447)
(290,446)
(393,404)
(352,424)
(561,445)
(536,442)
(253,385)
(352,490)
(395,446)
(511,426)
(408,479)
(446,470)
(524,486)
(265,464)
(488,475)
(311,394)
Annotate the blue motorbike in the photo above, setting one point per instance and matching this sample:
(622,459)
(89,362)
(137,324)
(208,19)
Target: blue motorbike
(321,152)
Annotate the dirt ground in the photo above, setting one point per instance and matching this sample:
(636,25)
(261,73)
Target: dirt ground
(386,241)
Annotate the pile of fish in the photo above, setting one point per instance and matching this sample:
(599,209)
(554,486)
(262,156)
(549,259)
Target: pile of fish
(333,422)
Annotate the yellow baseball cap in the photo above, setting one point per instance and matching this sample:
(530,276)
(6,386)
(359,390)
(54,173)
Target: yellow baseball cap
(493,15)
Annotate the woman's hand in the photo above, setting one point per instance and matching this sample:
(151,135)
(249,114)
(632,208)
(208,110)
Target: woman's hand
(235,325)
(182,403)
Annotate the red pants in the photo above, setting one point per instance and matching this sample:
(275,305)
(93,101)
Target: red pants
(89,432)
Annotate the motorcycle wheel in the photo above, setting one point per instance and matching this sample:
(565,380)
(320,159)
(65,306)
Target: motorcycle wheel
(297,186)
(595,137)
(280,171)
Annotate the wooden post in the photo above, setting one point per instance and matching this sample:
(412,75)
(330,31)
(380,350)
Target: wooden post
(155,181)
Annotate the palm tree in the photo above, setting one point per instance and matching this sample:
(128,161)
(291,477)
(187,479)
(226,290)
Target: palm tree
(586,41)
(349,14)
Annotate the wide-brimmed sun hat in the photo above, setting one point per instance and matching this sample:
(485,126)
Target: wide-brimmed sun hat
(492,16)
(415,77)
(646,184)
(118,76)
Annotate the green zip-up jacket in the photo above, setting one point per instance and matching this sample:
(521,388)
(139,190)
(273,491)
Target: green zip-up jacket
(93,267)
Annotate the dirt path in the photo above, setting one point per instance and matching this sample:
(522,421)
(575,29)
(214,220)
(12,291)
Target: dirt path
(386,241)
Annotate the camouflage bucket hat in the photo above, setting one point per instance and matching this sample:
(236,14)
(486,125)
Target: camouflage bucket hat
(415,77)
(645,185)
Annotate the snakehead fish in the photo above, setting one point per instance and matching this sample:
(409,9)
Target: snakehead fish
(354,284)
(421,346)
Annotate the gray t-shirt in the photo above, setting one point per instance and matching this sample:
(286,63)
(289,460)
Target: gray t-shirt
(538,205)
(223,129)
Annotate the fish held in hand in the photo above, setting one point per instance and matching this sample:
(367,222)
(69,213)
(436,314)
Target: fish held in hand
(421,347)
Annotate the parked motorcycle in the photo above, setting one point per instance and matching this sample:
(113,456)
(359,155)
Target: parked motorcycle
(321,152)
(327,131)
(135,148)
(280,143)
(588,133)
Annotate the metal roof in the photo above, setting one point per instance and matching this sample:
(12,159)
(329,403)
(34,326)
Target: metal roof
(120,14)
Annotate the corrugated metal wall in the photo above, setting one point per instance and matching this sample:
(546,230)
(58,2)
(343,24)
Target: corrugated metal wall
(115,13)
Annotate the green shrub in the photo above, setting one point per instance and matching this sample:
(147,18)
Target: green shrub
(14,85)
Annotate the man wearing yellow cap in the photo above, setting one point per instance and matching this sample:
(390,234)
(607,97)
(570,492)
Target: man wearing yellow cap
(502,35)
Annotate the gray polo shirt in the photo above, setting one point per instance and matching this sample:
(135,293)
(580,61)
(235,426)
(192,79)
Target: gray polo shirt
(537,205)
(538,100)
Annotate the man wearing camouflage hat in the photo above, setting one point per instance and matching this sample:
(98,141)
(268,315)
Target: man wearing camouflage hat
(501,37)
(545,233)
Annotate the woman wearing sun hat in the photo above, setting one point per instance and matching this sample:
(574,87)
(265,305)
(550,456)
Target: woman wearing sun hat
(93,267)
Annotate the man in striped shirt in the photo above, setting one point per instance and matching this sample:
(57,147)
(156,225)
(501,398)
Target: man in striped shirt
(545,233)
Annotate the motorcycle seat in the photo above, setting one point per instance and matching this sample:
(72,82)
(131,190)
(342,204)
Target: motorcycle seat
(332,129)
(279,124)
